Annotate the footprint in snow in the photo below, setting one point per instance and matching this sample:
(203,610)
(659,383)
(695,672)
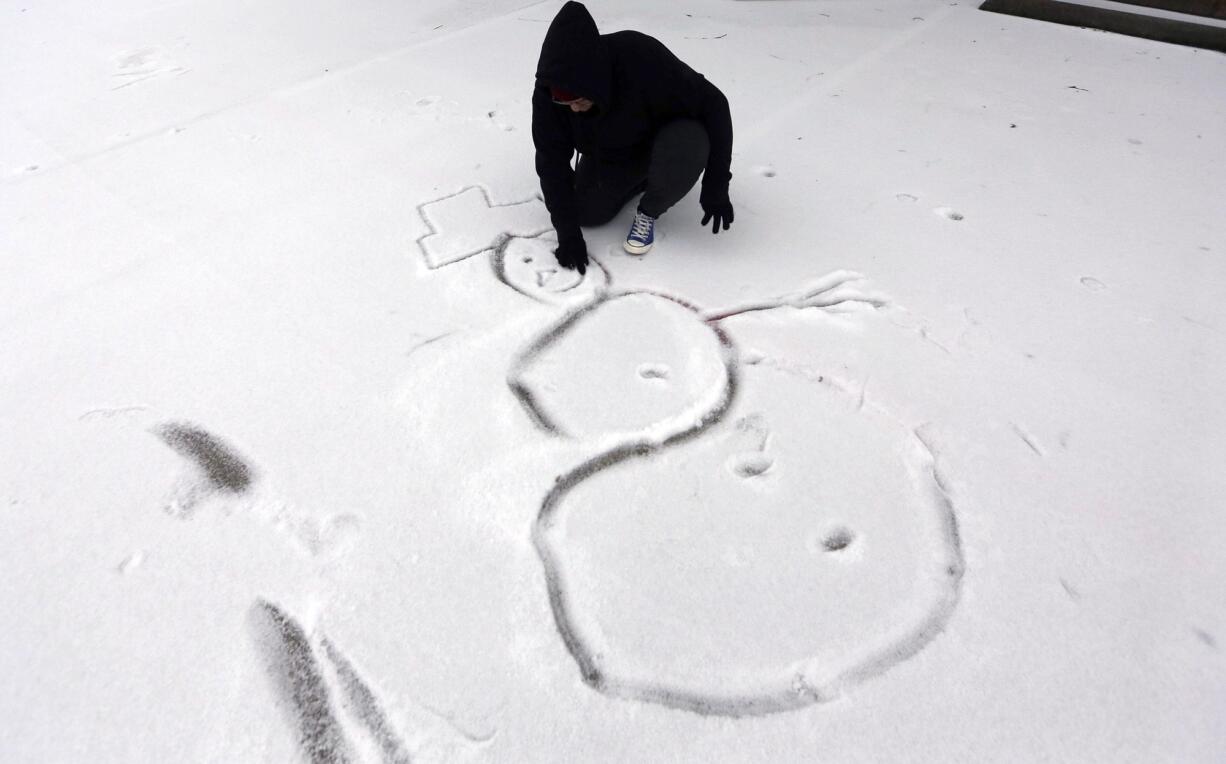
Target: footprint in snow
(1093,284)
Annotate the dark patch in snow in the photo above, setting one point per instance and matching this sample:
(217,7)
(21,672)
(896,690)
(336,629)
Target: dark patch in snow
(362,704)
(222,466)
(291,664)
(1070,590)
(838,539)
(1205,637)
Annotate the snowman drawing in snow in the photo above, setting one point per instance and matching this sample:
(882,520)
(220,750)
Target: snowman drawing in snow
(743,541)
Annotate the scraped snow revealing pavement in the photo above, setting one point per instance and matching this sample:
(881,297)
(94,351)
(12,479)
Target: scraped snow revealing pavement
(753,570)
(311,452)
(733,571)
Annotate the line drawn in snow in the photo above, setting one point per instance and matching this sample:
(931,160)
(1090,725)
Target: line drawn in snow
(333,709)
(298,677)
(1031,442)
(520,241)
(527,265)
(1201,324)
(427,342)
(611,664)
(359,700)
(571,412)
(1073,593)
(838,289)
(479,738)
(710,403)
(467,223)
(130,563)
(111,412)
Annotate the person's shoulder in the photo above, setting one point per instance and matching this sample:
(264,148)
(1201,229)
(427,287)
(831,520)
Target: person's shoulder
(642,58)
(630,41)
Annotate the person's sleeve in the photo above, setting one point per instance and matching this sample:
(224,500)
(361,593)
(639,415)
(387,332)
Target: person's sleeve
(717,118)
(554,151)
(682,92)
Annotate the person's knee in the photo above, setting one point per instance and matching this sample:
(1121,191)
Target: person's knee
(684,138)
(599,204)
(595,215)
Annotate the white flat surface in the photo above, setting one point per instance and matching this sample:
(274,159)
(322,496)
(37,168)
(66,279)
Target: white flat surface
(209,213)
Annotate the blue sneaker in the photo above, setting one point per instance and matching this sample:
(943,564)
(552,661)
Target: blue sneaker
(642,234)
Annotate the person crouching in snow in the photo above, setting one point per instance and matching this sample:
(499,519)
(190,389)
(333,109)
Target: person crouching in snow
(642,121)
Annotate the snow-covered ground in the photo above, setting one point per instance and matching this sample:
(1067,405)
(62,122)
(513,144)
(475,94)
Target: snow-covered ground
(301,456)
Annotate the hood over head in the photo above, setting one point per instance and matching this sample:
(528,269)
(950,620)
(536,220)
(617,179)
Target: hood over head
(573,57)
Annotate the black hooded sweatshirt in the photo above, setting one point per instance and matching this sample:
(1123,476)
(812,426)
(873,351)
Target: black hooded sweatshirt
(637,85)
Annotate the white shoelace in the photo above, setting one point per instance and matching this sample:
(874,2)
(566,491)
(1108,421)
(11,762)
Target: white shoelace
(642,225)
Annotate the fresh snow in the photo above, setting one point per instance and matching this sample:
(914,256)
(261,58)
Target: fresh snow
(310,452)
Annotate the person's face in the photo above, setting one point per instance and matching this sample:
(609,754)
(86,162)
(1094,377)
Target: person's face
(580,105)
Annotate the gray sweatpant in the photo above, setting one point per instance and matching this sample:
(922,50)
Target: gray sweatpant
(678,157)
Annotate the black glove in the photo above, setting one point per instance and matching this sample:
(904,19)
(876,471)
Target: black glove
(572,254)
(715,207)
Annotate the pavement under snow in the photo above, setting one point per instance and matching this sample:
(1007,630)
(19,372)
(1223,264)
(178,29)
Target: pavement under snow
(309,451)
